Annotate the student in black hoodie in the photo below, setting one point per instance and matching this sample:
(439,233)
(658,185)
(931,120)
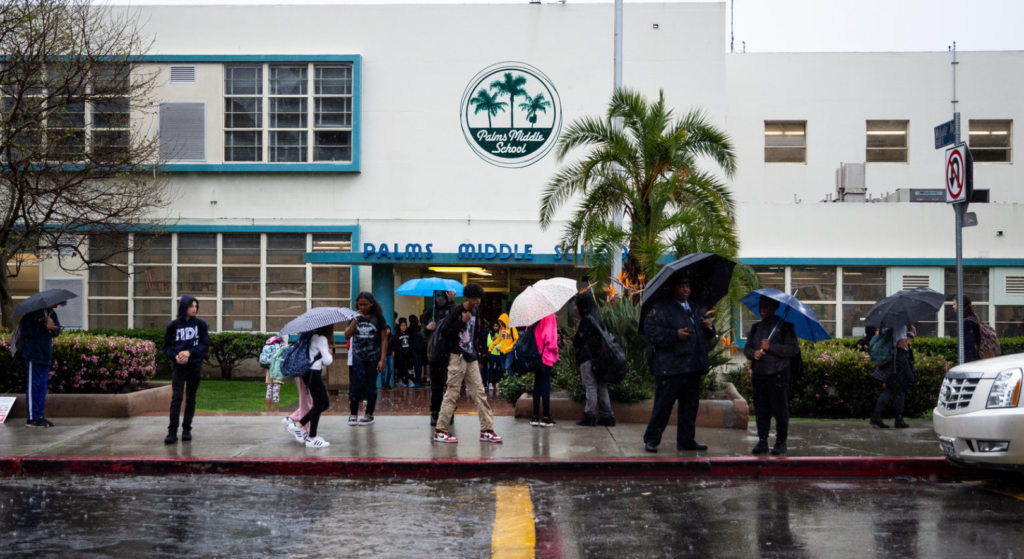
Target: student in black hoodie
(588,342)
(186,341)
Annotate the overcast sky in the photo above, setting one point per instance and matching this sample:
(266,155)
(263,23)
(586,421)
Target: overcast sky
(817,25)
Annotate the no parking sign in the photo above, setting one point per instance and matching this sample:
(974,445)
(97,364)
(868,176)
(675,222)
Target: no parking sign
(959,176)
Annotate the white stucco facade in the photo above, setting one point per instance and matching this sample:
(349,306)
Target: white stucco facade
(419,180)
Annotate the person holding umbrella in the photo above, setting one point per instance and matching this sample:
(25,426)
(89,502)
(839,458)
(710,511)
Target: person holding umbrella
(38,328)
(444,301)
(770,345)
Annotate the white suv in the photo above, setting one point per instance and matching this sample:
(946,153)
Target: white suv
(980,419)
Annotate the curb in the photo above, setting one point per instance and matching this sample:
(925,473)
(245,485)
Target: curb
(932,469)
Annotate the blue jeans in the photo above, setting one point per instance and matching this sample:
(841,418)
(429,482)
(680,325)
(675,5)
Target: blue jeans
(417,365)
(542,391)
(387,376)
(494,363)
(506,363)
(362,381)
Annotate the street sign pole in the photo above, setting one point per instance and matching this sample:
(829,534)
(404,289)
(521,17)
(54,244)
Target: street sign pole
(959,210)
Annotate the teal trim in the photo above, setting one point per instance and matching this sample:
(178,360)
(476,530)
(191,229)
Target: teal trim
(352,167)
(251,58)
(383,288)
(997,262)
(438,259)
(354,288)
(354,229)
(357,76)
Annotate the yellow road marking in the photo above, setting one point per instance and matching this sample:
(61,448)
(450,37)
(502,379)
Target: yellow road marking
(514,536)
(988,486)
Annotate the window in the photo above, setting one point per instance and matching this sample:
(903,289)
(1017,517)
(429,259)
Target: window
(286,278)
(773,277)
(26,281)
(111,111)
(197,248)
(887,141)
(816,286)
(304,122)
(991,140)
(976,286)
(151,278)
(108,283)
(785,141)
(332,242)
(197,272)
(241,285)
(1009,321)
(862,287)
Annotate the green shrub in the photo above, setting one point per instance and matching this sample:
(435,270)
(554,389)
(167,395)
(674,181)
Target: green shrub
(513,386)
(84,363)
(228,349)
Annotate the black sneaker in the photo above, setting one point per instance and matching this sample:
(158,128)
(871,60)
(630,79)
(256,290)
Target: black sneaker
(878,423)
(535,421)
(779,449)
(35,423)
(48,423)
(761,447)
(547,422)
(607,421)
(171,438)
(900,424)
(186,435)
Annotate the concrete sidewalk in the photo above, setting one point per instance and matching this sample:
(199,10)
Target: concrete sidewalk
(409,437)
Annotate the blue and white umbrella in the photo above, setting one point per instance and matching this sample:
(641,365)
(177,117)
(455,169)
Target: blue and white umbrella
(426,287)
(803,319)
(317,318)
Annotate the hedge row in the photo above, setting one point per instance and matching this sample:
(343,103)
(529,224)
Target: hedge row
(85,363)
(227,349)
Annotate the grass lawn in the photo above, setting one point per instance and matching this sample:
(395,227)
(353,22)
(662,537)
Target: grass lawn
(240,396)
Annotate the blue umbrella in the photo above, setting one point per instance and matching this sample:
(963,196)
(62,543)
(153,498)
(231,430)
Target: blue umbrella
(425,287)
(791,310)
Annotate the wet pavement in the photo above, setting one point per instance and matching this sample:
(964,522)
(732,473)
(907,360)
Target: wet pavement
(225,516)
(410,437)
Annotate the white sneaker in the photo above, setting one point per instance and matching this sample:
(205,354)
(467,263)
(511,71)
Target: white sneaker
(298,432)
(353,421)
(317,442)
(288,422)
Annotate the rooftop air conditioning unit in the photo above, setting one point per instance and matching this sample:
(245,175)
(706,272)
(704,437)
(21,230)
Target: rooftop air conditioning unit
(850,185)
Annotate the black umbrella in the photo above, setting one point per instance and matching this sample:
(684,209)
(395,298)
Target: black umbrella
(43,300)
(709,275)
(905,308)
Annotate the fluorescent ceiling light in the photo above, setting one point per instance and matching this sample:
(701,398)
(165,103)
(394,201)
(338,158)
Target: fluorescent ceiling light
(794,133)
(886,132)
(979,132)
(1000,133)
(461,269)
(767,133)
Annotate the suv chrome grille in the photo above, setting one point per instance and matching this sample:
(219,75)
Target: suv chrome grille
(956,393)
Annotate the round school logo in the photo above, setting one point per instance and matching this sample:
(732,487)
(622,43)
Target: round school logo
(511,114)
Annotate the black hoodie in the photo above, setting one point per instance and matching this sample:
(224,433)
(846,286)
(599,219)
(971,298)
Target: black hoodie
(188,334)
(588,339)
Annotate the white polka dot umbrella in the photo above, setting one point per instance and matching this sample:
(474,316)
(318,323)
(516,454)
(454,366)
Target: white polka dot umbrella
(541,299)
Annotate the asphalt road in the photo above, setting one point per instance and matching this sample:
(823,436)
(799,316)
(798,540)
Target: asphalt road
(223,516)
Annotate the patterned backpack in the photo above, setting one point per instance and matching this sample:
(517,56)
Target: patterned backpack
(988,344)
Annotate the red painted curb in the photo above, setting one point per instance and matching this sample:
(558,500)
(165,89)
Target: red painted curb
(928,468)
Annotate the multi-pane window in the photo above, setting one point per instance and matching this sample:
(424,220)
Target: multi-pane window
(151,281)
(816,286)
(332,284)
(773,277)
(991,141)
(197,272)
(976,287)
(108,284)
(241,284)
(286,278)
(862,287)
(23,276)
(785,141)
(1009,321)
(308,110)
(111,111)
(887,141)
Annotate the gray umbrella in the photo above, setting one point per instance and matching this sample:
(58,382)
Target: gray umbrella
(318,318)
(905,308)
(43,300)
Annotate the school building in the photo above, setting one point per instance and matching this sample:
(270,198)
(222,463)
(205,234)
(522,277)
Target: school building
(317,151)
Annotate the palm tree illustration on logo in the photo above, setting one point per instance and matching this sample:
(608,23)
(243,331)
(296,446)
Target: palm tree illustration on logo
(534,104)
(510,86)
(486,102)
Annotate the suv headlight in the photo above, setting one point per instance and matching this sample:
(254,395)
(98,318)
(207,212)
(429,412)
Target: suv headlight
(1005,390)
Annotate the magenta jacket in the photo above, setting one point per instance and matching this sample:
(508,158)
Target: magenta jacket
(547,339)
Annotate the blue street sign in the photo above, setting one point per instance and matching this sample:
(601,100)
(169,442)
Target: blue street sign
(945,134)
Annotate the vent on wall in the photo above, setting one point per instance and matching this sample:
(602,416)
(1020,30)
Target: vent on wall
(913,282)
(183,131)
(1014,285)
(72,316)
(183,74)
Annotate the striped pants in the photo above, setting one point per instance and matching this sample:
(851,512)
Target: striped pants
(37,375)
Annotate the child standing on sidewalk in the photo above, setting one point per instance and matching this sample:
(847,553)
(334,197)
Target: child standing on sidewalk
(272,346)
(186,341)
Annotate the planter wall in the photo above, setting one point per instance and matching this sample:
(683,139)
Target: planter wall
(150,400)
(730,413)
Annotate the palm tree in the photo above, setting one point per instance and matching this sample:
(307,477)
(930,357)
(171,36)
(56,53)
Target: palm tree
(648,169)
(534,104)
(486,102)
(510,86)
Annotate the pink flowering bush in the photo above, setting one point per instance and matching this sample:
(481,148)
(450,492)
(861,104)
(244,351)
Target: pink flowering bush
(84,363)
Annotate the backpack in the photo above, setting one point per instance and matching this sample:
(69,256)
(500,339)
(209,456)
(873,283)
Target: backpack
(17,342)
(267,355)
(295,361)
(276,361)
(610,364)
(880,348)
(988,344)
(526,356)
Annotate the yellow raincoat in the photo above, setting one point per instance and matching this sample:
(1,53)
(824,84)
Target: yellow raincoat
(506,338)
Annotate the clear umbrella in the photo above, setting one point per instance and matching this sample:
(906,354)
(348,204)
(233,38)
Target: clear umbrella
(541,299)
(317,318)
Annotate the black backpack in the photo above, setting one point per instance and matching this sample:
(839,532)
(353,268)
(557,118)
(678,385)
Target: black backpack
(526,356)
(610,364)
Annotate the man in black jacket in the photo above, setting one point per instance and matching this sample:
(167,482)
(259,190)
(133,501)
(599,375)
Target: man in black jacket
(588,342)
(431,318)
(186,342)
(677,333)
(771,344)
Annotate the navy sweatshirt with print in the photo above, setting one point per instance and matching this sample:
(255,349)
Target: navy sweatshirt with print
(185,333)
